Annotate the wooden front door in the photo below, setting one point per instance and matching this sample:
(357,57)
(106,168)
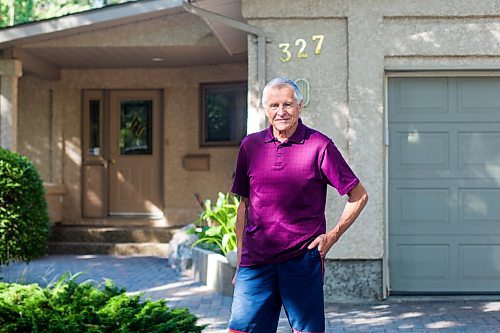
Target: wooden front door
(134,153)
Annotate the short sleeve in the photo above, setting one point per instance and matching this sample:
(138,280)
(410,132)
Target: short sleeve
(241,183)
(336,170)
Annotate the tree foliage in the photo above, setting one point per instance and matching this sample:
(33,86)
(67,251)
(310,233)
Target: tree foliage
(33,10)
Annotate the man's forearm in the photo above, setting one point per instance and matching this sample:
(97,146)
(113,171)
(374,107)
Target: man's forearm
(240,224)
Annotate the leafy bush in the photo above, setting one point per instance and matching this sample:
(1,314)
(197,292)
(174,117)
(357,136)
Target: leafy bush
(24,221)
(71,307)
(217,224)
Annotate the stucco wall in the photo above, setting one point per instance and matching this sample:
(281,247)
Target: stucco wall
(363,41)
(331,102)
(34,123)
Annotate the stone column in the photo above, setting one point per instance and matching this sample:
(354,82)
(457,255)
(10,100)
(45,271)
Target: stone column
(10,71)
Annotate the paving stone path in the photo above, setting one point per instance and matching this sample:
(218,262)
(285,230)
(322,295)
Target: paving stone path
(153,277)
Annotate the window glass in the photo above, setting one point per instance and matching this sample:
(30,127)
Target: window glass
(136,127)
(94,127)
(224,113)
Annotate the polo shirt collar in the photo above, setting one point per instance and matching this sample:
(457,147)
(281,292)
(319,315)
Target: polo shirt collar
(297,137)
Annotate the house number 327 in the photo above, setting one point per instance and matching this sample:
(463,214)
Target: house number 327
(301,50)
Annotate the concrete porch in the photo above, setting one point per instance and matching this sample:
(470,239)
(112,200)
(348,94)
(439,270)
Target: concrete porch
(113,236)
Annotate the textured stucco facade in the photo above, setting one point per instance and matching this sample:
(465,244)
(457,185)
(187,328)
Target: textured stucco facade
(364,43)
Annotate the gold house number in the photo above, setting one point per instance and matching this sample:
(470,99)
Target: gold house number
(301,44)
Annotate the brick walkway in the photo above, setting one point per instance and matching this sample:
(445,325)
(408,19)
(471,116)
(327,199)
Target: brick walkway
(152,276)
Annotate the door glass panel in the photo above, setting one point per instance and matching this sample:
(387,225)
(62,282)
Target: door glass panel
(136,127)
(94,127)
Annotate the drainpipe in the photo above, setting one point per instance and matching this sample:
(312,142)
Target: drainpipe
(250,29)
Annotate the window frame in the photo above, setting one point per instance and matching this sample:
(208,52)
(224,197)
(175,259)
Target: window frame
(203,112)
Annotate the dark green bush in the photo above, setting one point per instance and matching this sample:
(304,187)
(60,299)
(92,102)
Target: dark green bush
(83,307)
(24,221)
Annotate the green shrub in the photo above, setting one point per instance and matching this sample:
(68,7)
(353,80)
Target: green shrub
(24,221)
(83,307)
(216,225)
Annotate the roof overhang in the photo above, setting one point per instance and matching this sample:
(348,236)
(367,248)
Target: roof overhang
(233,40)
(88,21)
(26,41)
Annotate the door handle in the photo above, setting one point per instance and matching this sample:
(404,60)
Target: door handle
(112,161)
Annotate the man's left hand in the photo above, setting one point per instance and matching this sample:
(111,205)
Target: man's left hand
(324,244)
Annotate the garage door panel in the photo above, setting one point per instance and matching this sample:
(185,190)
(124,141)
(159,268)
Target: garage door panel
(412,97)
(479,97)
(424,261)
(444,185)
(479,149)
(422,205)
(422,148)
(480,206)
(479,262)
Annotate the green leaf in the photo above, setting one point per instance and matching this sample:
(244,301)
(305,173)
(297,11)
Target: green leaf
(213,231)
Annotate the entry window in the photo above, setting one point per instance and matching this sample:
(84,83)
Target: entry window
(136,127)
(94,127)
(224,113)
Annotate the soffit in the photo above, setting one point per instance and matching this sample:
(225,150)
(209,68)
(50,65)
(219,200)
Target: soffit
(136,57)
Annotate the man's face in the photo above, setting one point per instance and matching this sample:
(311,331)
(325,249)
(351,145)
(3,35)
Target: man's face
(281,108)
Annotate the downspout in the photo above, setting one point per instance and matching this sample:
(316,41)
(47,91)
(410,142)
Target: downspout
(249,29)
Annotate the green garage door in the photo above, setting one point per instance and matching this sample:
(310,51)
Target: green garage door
(444,184)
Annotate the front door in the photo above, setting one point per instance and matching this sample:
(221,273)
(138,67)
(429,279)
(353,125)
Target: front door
(134,153)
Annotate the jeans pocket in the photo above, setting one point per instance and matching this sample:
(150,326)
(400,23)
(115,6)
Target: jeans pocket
(314,253)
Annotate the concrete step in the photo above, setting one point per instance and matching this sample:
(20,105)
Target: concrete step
(111,234)
(119,249)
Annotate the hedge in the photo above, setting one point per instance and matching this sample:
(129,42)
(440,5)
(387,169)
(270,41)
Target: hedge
(24,221)
(73,307)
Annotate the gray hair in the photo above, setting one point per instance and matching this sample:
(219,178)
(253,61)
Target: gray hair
(281,82)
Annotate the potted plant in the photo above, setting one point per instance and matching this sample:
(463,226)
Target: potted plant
(216,226)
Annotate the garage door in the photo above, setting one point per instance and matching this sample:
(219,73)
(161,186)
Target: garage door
(444,185)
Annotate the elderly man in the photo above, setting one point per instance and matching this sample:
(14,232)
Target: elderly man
(282,175)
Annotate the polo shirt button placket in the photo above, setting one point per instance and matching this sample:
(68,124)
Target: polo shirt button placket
(279,156)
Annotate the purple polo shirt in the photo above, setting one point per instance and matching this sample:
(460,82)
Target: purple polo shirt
(286,184)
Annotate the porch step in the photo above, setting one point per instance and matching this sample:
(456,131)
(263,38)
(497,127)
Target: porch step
(115,240)
(107,234)
(118,249)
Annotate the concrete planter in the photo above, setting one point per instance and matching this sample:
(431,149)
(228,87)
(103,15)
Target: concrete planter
(232,258)
(213,270)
